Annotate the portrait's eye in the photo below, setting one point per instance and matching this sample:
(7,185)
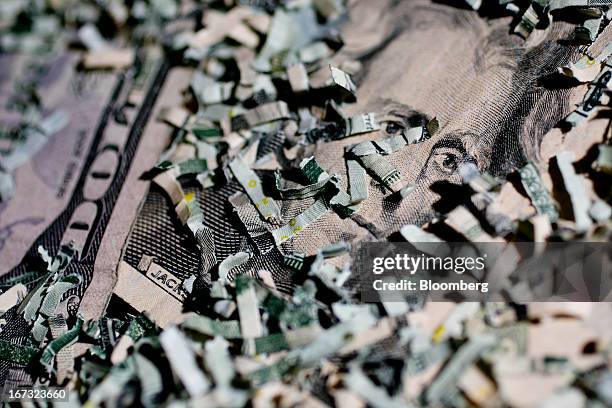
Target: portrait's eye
(393,128)
(397,122)
(446,157)
(447,160)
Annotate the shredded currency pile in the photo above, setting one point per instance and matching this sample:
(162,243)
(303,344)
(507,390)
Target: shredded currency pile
(268,321)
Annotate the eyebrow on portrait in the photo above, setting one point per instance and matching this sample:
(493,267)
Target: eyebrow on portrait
(405,113)
(452,142)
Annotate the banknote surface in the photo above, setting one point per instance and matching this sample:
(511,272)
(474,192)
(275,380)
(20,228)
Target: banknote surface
(82,193)
(187,188)
(46,183)
(85,216)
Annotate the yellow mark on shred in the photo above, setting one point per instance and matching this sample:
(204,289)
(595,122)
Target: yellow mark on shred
(437,336)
